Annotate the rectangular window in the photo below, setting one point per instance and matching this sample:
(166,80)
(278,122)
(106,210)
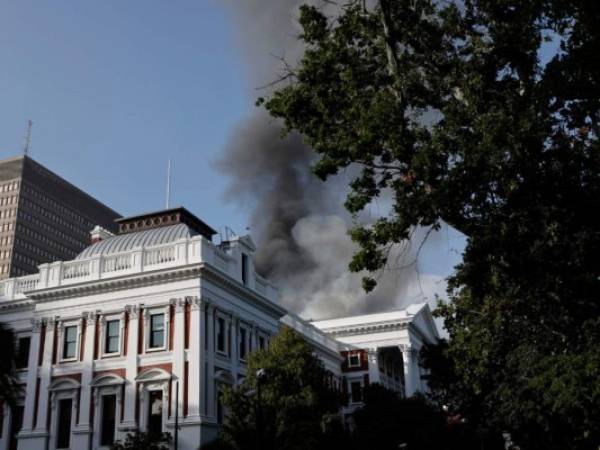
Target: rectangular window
(157,330)
(356,391)
(22,360)
(354,360)
(63,436)
(221,334)
(243,343)
(261,342)
(155,405)
(70,342)
(111,342)
(244,268)
(107,431)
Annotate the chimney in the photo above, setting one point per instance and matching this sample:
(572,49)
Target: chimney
(99,234)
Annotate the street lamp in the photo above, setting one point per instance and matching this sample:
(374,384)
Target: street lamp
(261,376)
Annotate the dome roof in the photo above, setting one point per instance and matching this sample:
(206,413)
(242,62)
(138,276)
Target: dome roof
(138,239)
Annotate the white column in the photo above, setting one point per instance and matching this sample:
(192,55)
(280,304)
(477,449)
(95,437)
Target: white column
(235,347)
(45,374)
(178,354)
(409,372)
(87,370)
(374,374)
(210,362)
(253,338)
(133,313)
(196,358)
(81,433)
(32,374)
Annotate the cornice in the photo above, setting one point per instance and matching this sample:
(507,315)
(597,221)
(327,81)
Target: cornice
(368,328)
(153,278)
(234,286)
(21,303)
(116,284)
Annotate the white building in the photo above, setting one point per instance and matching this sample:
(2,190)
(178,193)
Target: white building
(151,322)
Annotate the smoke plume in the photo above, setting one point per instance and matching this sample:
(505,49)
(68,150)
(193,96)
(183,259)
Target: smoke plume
(297,220)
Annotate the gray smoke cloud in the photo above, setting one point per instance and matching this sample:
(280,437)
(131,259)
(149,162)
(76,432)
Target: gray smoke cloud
(297,220)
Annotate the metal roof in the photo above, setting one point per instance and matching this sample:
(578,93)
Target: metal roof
(139,239)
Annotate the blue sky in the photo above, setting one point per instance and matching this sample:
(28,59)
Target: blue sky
(115,88)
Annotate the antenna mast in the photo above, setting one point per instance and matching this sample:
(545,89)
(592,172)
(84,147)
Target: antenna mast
(27,144)
(168,184)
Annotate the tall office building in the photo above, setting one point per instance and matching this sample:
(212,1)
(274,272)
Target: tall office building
(43,218)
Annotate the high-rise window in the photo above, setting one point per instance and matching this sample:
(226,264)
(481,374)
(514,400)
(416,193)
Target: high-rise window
(157,330)
(111,342)
(243,343)
(221,334)
(22,360)
(107,431)
(70,342)
(155,405)
(63,435)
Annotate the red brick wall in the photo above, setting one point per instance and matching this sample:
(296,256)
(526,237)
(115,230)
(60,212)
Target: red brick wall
(364,361)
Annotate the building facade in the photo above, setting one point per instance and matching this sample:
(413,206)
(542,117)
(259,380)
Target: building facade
(43,218)
(150,323)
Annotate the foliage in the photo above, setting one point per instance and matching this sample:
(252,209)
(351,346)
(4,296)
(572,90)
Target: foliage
(9,386)
(296,410)
(387,421)
(143,441)
(483,114)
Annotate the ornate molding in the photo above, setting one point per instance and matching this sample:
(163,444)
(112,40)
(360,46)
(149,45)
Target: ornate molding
(36,325)
(118,283)
(377,327)
(195,303)
(133,311)
(179,304)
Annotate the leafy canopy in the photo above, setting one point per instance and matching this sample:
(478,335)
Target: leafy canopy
(10,389)
(297,408)
(482,114)
(143,441)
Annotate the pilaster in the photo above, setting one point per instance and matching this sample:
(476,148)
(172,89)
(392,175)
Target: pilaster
(45,376)
(210,363)
(32,374)
(88,369)
(235,347)
(129,422)
(197,358)
(178,354)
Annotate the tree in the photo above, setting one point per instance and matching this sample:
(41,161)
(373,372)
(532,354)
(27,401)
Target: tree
(482,114)
(294,406)
(143,441)
(387,421)
(10,388)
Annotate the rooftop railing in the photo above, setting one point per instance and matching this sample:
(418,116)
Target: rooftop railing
(194,250)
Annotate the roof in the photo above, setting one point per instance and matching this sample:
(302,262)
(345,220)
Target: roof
(370,318)
(418,314)
(138,239)
(164,217)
